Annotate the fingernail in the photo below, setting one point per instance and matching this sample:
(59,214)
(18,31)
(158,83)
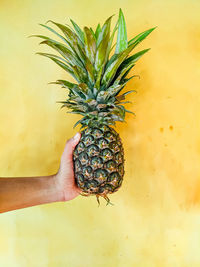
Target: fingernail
(76,136)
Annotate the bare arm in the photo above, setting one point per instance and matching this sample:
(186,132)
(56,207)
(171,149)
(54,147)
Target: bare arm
(17,193)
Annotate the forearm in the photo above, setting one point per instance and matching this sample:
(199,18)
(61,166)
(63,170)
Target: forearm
(17,193)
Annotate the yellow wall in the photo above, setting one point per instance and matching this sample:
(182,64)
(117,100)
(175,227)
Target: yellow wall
(155,221)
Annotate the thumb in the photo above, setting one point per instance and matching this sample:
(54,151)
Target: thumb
(70,146)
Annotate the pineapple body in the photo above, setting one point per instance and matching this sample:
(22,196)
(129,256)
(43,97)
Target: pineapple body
(99,161)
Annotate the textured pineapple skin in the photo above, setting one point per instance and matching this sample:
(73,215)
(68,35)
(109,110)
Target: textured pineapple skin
(99,161)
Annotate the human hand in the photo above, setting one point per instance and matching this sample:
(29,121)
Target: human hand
(65,177)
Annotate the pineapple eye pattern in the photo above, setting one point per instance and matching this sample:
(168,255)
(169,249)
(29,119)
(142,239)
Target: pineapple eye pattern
(97,133)
(87,172)
(102,143)
(80,147)
(92,186)
(104,128)
(101,175)
(96,162)
(114,179)
(76,154)
(110,166)
(93,150)
(87,131)
(121,169)
(107,154)
(77,165)
(80,180)
(109,136)
(118,158)
(115,147)
(106,189)
(83,158)
(88,140)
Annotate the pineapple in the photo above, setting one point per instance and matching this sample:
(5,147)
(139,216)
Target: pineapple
(100,76)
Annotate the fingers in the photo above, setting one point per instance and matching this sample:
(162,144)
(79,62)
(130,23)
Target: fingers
(70,146)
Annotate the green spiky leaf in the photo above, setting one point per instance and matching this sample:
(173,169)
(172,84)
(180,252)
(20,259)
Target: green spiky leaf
(64,51)
(98,30)
(112,68)
(78,30)
(53,56)
(58,62)
(72,39)
(132,59)
(80,74)
(93,33)
(90,70)
(55,32)
(74,89)
(65,84)
(110,46)
(140,37)
(122,42)
(122,73)
(103,49)
(90,44)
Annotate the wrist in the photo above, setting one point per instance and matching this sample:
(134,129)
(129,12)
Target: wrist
(57,187)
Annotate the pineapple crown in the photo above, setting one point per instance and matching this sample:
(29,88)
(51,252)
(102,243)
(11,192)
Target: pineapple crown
(100,77)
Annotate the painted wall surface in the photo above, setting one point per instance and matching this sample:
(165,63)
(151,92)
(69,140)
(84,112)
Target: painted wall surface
(155,221)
